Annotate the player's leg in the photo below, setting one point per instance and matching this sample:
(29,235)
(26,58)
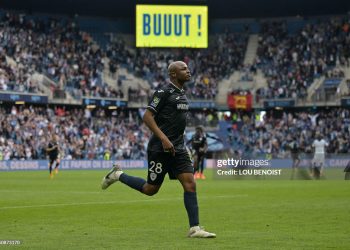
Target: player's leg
(195,165)
(57,165)
(201,164)
(313,166)
(51,161)
(347,172)
(116,174)
(156,172)
(317,173)
(293,169)
(184,173)
(191,205)
(190,197)
(347,175)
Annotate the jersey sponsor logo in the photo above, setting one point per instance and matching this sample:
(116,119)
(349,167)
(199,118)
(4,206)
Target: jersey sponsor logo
(177,98)
(160,91)
(182,106)
(155,102)
(153,176)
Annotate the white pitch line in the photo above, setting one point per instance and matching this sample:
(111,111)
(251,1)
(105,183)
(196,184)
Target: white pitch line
(114,202)
(49,192)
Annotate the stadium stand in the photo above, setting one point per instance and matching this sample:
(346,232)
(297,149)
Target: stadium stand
(254,135)
(291,58)
(82,134)
(56,48)
(292,61)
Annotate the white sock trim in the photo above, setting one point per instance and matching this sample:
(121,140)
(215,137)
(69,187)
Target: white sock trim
(117,174)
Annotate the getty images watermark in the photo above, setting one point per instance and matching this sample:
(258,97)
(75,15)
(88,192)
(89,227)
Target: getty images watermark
(245,167)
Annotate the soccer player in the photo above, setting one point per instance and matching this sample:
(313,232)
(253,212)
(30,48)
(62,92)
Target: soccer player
(166,118)
(295,149)
(294,152)
(318,162)
(200,146)
(53,153)
(347,171)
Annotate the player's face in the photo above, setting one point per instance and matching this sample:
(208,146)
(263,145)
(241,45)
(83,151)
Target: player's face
(183,73)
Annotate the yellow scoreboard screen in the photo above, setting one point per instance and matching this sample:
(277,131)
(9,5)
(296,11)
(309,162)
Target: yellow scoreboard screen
(171,26)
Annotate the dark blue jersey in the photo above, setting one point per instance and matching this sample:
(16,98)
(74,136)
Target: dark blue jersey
(198,141)
(170,107)
(53,153)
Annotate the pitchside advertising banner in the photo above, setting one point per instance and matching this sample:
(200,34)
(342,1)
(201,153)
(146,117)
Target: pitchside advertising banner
(71,164)
(171,26)
(229,163)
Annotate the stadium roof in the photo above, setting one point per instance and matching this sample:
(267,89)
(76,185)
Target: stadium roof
(217,8)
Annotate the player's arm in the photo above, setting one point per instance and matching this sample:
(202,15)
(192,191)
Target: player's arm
(51,149)
(154,107)
(205,148)
(190,141)
(148,119)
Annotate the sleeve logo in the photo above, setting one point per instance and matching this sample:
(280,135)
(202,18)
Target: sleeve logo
(155,102)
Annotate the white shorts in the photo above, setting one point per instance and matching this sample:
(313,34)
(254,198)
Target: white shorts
(319,159)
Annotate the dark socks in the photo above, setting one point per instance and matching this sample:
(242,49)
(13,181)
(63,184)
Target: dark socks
(57,164)
(191,205)
(131,181)
(202,166)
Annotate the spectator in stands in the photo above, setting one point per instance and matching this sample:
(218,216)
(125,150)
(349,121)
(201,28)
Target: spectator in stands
(291,62)
(272,134)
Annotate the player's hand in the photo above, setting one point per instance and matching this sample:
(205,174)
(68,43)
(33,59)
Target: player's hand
(168,146)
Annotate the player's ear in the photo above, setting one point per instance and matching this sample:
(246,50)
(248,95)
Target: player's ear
(172,74)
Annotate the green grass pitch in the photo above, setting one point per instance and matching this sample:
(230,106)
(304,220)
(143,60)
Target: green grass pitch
(72,212)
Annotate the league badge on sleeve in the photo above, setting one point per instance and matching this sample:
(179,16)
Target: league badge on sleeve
(155,102)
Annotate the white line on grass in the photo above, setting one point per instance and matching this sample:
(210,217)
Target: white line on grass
(48,192)
(116,202)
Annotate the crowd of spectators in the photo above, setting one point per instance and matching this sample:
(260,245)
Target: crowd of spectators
(82,134)
(56,48)
(90,134)
(15,78)
(254,135)
(207,66)
(291,62)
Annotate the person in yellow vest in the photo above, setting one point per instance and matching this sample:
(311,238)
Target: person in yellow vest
(107,155)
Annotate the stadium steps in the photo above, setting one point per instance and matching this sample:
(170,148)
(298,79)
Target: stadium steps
(128,81)
(225,86)
(311,91)
(344,88)
(252,47)
(45,85)
(234,83)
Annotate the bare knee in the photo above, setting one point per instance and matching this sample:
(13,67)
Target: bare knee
(189,186)
(150,190)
